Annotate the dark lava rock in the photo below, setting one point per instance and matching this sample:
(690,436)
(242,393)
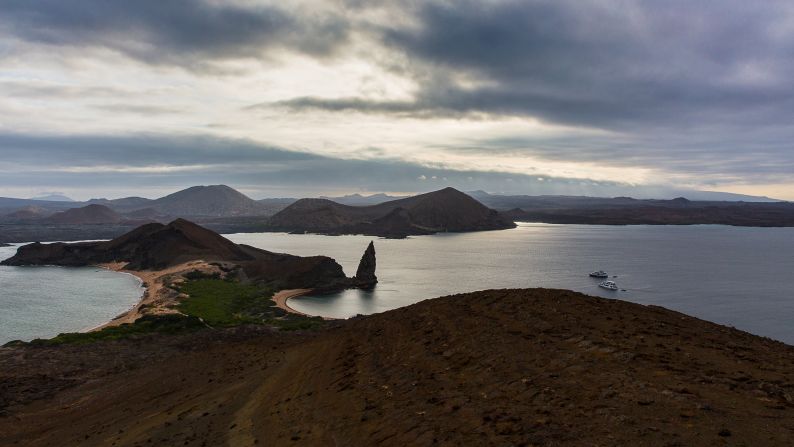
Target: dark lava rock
(365,275)
(150,246)
(156,246)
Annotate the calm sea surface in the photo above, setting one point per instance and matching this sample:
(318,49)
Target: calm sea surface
(743,277)
(41,302)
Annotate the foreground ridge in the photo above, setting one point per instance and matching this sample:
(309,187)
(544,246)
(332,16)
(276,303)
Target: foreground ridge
(498,367)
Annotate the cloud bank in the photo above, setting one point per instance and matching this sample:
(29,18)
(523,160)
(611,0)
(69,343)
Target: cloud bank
(699,93)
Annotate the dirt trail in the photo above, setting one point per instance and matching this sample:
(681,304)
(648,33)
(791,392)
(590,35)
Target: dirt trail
(512,367)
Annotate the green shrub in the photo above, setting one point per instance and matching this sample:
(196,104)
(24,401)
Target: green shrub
(211,302)
(224,303)
(198,274)
(148,324)
(228,303)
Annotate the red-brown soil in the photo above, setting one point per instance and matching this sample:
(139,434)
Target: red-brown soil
(503,367)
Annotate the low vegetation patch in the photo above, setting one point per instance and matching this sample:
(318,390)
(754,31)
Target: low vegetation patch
(228,303)
(223,303)
(198,274)
(211,302)
(149,324)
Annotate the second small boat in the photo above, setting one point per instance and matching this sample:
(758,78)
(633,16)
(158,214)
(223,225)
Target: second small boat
(609,285)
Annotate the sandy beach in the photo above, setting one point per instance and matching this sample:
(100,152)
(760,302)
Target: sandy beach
(282,296)
(158,298)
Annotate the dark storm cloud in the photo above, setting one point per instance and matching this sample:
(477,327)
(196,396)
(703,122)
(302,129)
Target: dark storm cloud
(704,88)
(190,33)
(689,87)
(604,64)
(610,64)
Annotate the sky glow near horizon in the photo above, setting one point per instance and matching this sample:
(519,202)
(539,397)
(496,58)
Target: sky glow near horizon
(113,98)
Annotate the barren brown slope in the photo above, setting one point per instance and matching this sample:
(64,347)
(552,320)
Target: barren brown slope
(91,214)
(212,200)
(150,246)
(509,367)
(157,246)
(27,213)
(444,210)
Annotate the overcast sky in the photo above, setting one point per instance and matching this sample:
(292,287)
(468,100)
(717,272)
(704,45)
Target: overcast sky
(620,97)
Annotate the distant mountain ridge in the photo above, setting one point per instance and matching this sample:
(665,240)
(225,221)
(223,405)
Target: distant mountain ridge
(629,211)
(226,210)
(507,202)
(54,197)
(213,200)
(439,211)
(10,204)
(123,204)
(361,200)
(28,213)
(87,215)
(196,201)
(224,201)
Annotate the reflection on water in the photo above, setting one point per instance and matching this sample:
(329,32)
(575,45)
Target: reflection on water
(735,276)
(731,275)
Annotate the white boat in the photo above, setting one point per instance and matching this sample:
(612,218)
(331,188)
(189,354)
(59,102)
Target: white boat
(609,285)
(599,274)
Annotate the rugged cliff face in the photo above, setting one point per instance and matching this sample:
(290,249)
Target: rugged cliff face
(365,275)
(156,246)
(285,271)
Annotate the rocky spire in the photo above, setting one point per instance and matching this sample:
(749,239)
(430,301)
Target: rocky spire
(365,275)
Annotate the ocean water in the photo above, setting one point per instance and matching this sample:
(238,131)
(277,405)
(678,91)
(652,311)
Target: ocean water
(741,277)
(41,302)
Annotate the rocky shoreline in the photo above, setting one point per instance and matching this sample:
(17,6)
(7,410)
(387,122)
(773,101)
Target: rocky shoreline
(154,246)
(164,256)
